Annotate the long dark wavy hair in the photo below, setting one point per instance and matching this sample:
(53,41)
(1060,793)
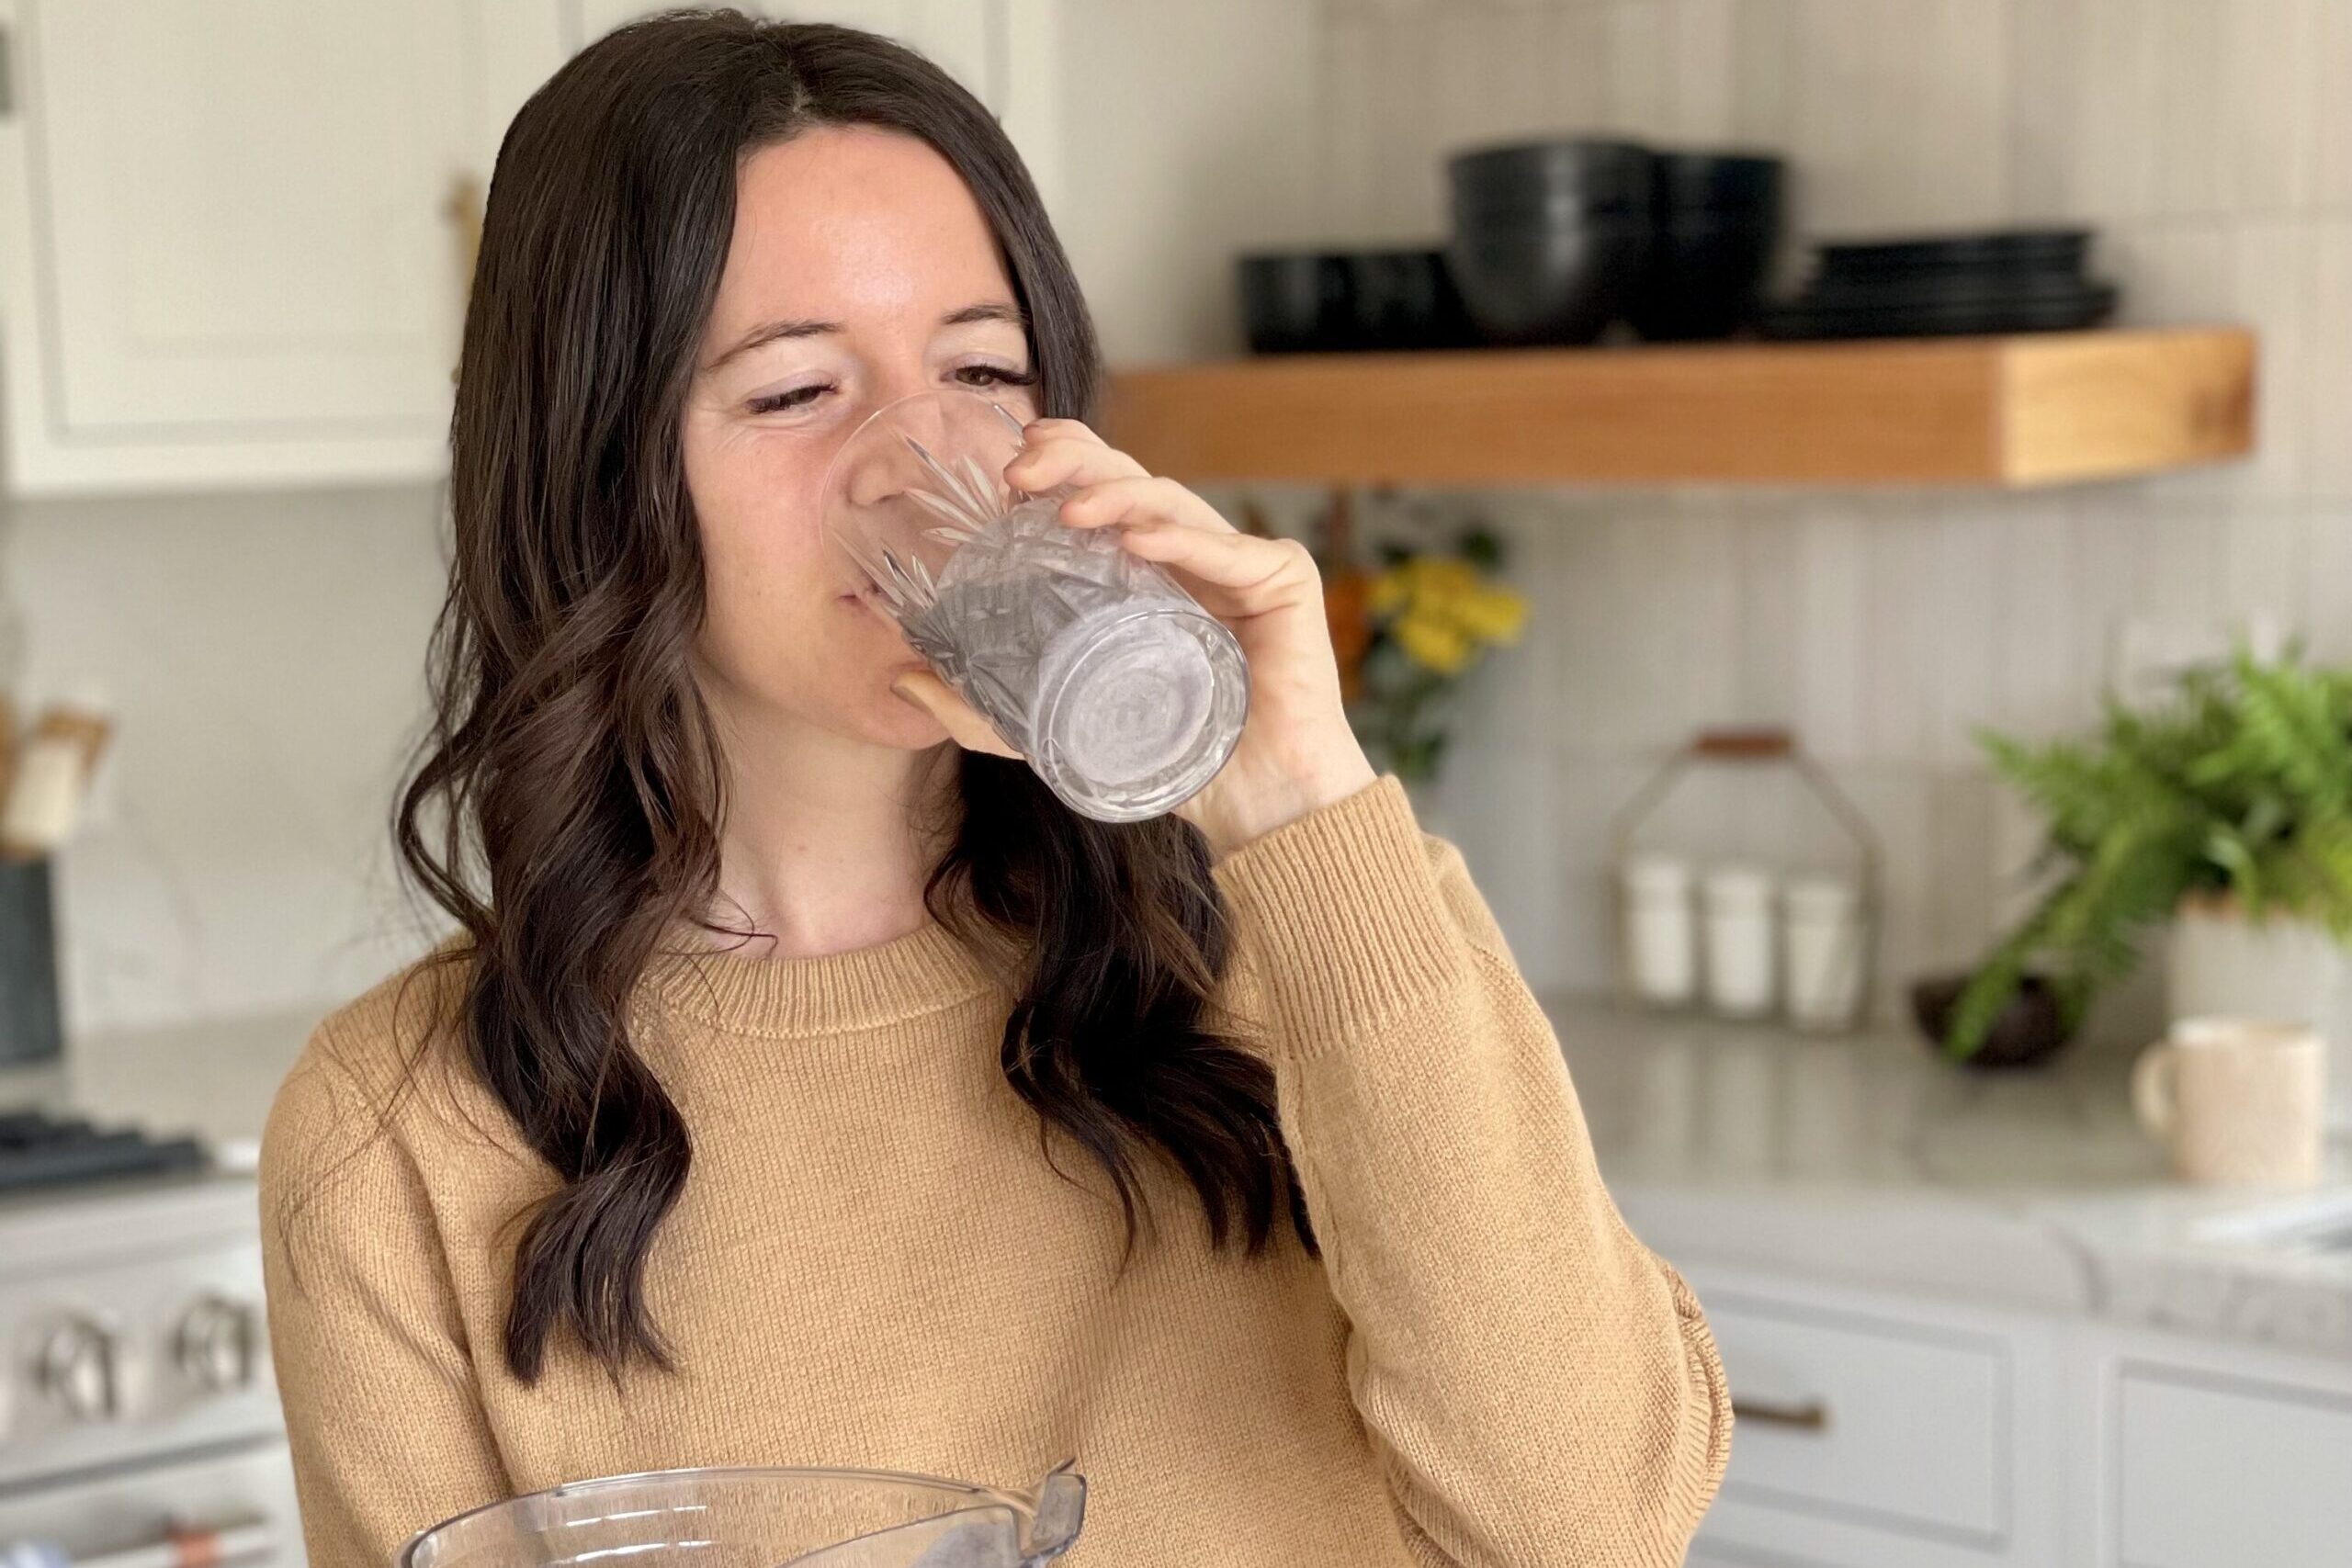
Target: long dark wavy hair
(564,806)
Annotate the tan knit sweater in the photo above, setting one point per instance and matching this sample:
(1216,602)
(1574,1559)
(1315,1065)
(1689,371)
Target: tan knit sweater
(873,1265)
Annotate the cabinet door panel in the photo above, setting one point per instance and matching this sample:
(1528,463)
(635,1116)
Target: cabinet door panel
(1902,1427)
(233,236)
(243,211)
(2215,1470)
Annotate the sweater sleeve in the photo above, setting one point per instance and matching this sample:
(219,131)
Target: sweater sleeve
(1541,1388)
(388,1432)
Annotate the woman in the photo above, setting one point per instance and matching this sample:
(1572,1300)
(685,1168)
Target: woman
(805,1084)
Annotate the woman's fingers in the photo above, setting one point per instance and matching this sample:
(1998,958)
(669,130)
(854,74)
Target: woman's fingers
(1140,502)
(959,718)
(1073,455)
(1259,574)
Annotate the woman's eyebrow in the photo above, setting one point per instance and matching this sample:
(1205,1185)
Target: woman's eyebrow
(799,327)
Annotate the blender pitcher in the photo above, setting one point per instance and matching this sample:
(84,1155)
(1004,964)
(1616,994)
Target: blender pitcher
(1123,692)
(764,1519)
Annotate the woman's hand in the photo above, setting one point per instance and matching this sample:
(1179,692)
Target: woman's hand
(1296,751)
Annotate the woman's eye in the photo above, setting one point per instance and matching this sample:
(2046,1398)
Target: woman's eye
(779,402)
(998,375)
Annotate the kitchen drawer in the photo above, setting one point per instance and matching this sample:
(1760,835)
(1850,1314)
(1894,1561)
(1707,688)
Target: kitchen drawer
(1897,1427)
(2214,1471)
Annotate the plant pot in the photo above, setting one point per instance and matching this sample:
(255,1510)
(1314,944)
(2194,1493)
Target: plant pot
(2026,1034)
(2219,964)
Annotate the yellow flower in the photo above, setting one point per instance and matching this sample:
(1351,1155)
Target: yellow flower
(1433,643)
(1441,611)
(1492,615)
(1444,577)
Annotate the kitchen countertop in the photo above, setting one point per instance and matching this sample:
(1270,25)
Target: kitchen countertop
(1863,1158)
(213,1078)
(1858,1159)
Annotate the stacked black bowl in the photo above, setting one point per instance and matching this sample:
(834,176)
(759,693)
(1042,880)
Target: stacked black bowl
(1341,301)
(1717,218)
(1549,238)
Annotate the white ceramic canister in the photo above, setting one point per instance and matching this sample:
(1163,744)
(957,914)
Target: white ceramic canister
(1825,942)
(1738,920)
(1661,935)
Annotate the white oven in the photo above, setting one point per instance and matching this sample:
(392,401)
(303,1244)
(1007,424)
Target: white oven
(138,1422)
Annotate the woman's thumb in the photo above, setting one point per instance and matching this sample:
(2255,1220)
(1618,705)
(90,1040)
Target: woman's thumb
(959,718)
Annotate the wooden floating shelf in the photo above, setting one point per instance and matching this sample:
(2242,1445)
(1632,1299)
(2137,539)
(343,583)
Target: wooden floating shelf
(2032,410)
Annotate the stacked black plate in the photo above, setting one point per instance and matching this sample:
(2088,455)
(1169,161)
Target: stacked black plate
(2010,281)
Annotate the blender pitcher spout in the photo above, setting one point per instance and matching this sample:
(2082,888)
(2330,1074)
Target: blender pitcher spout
(1060,1509)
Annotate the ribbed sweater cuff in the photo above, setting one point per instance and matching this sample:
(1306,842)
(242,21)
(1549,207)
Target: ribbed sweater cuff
(1341,913)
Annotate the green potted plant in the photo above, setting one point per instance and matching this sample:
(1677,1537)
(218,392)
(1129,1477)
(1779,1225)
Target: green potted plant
(2226,810)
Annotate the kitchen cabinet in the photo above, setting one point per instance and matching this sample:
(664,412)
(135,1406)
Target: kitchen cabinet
(1878,1431)
(235,235)
(1882,1431)
(235,239)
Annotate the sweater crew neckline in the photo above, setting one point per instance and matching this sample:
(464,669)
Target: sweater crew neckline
(742,990)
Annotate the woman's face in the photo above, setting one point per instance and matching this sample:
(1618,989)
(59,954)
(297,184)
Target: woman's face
(861,271)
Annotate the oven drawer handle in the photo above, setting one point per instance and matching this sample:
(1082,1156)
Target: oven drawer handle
(1810,1415)
(215,1548)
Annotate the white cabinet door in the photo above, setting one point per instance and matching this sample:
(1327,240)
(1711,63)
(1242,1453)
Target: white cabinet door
(1003,51)
(2213,1454)
(236,232)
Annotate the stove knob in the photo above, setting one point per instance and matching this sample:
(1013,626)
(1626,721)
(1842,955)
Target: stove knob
(219,1344)
(81,1370)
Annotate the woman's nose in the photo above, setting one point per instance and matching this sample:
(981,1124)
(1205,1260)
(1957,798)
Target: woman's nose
(878,465)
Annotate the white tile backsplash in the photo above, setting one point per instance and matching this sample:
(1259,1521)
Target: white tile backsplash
(1347,152)
(2194,141)
(2326,360)
(2270,275)
(2328,172)
(1764,84)
(1832,653)
(2270,89)
(2210,145)
(2116,92)
(2045,45)
(265,665)
(2040,688)
(1702,43)
(2265,555)
(2327,582)
(1638,93)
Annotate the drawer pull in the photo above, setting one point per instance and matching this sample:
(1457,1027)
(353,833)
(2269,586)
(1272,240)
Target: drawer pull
(1811,1416)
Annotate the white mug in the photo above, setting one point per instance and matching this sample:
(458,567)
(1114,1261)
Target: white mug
(2235,1102)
